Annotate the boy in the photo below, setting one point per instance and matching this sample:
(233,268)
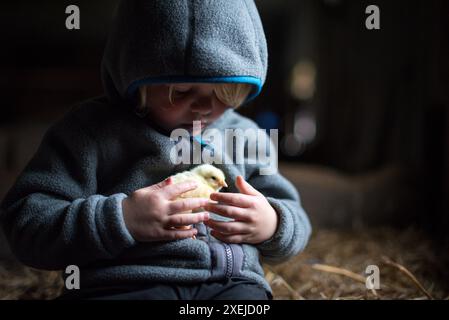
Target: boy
(96,195)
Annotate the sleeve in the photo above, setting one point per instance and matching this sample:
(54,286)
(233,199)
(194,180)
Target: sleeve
(294,227)
(52,216)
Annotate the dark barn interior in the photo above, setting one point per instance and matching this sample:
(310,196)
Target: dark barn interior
(363,121)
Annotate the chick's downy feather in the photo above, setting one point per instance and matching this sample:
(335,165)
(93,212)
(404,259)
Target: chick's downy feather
(209,179)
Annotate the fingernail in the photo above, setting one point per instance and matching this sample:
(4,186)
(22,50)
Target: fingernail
(206,216)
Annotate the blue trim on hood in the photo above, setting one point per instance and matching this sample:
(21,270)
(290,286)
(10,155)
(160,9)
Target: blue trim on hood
(256,82)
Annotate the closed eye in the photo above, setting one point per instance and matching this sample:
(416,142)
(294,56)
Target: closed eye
(181,89)
(179,93)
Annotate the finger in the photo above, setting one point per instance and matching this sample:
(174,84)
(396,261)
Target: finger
(244,187)
(178,234)
(159,185)
(173,190)
(185,219)
(183,205)
(227,211)
(233,199)
(228,227)
(234,238)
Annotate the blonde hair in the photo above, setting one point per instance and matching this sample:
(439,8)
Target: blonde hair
(231,94)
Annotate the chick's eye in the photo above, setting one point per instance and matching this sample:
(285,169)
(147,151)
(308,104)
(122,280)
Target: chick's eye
(213,178)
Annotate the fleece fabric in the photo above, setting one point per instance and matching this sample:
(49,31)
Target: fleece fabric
(66,206)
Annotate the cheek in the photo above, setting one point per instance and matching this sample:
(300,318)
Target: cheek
(168,115)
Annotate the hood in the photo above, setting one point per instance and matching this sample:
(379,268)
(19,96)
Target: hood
(165,41)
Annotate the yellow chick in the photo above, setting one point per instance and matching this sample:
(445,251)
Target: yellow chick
(208,178)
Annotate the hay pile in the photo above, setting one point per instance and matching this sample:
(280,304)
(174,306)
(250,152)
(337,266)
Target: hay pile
(20,282)
(332,267)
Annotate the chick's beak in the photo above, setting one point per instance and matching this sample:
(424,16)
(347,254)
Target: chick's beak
(223,184)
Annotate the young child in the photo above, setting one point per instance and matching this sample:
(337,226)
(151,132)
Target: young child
(96,193)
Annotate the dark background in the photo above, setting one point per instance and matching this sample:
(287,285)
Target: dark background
(365,140)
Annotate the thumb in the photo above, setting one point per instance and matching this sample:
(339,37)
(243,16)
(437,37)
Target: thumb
(160,185)
(244,187)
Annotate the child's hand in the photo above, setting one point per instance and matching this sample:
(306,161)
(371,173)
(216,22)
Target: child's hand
(255,219)
(150,214)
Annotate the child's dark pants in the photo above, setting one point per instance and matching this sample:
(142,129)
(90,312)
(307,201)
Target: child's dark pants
(230,289)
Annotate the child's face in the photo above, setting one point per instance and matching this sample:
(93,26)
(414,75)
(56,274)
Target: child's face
(191,101)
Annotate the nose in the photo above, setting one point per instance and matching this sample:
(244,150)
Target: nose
(202,106)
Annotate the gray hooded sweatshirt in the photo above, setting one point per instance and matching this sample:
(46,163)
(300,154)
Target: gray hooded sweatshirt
(66,206)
